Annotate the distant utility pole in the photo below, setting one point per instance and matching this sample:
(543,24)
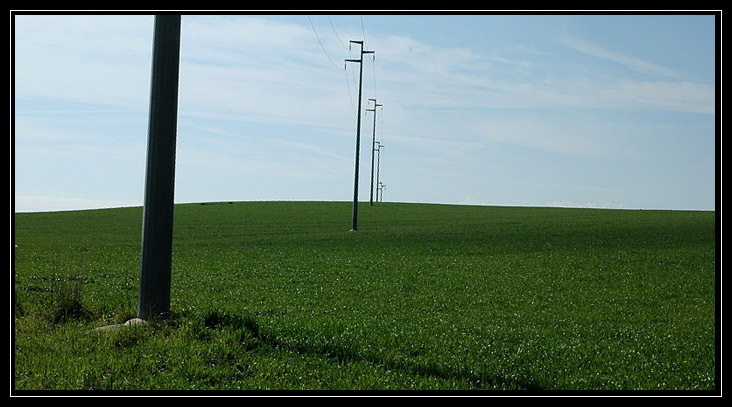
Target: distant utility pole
(157,223)
(382,187)
(373,147)
(378,158)
(354,225)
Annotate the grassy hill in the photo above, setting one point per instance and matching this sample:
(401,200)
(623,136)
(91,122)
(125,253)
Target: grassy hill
(282,295)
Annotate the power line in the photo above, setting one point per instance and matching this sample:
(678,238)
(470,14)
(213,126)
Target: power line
(321,44)
(350,97)
(336,33)
(363,31)
(348,85)
(373,65)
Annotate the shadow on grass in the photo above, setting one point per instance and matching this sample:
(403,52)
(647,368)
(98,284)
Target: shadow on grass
(255,337)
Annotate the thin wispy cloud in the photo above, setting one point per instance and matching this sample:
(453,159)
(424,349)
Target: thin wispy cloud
(629,62)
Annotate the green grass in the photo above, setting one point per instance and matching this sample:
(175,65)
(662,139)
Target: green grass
(282,295)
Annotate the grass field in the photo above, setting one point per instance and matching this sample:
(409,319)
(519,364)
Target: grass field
(282,295)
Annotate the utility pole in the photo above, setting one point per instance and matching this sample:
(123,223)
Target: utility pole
(373,145)
(157,223)
(354,225)
(378,158)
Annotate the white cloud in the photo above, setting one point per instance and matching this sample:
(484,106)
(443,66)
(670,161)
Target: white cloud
(635,64)
(418,75)
(89,59)
(660,95)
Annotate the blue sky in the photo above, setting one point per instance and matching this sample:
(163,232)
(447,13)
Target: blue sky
(606,111)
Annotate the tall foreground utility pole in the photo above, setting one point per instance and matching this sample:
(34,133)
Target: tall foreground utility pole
(373,147)
(157,223)
(354,225)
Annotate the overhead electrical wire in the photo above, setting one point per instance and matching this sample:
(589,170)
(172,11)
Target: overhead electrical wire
(348,85)
(321,44)
(322,47)
(350,97)
(336,33)
(363,31)
(373,65)
(373,58)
